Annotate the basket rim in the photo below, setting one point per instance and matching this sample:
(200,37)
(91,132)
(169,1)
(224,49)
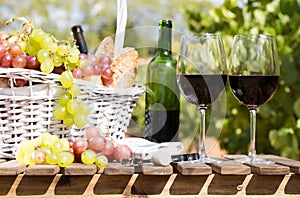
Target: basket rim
(35,75)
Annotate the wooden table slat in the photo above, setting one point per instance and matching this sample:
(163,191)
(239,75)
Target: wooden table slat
(230,168)
(151,169)
(293,164)
(80,169)
(193,168)
(43,169)
(12,167)
(118,169)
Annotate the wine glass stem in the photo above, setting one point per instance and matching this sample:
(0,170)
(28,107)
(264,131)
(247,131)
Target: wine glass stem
(252,151)
(202,152)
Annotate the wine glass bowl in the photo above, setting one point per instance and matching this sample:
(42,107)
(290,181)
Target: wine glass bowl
(201,76)
(253,77)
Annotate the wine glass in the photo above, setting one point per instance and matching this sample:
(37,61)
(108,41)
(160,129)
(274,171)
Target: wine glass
(201,76)
(253,76)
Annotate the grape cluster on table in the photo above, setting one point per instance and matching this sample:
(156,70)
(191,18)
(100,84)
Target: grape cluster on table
(94,148)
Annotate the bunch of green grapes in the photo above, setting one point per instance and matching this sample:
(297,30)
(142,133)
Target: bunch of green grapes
(45,149)
(60,57)
(71,109)
(50,149)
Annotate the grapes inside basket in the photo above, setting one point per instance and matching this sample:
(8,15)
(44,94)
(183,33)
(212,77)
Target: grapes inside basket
(47,85)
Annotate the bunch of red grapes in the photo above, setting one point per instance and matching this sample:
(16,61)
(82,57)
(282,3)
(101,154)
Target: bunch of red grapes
(41,51)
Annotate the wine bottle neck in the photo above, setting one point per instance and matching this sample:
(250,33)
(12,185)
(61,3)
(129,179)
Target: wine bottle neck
(79,38)
(165,41)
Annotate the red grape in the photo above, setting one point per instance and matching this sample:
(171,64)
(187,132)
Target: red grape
(96,143)
(71,142)
(39,156)
(2,50)
(93,59)
(20,82)
(106,80)
(122,151)
(19,61)
(97,69)
(77,73)
(104,60)
(6,60)
(59,70)
(15,50)
(88,70)
(92,131)
(32,62)
(107,72)
(108,148)
(82,56)
(79,145)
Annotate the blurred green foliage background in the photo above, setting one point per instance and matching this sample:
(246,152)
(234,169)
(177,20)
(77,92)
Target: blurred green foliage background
(278,121)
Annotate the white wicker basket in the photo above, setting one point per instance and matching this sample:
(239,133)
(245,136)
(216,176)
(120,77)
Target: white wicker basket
(27,112)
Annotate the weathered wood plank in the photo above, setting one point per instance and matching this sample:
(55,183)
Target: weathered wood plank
(193,168)
(118,169)
(293,164)
(80,169)
(262,169)
(43,169)
(230,168)
(151,169)
(12,167)
(269,169)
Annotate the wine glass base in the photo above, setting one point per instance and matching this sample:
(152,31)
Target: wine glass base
(252,160)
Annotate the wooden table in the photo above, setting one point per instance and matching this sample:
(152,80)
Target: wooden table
(185,179)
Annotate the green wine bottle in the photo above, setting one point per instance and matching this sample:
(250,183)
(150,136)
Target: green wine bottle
(162,93)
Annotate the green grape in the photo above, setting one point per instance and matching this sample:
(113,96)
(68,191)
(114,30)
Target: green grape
(75,90)
(47,66)
(71,66)
(42,55)
(37,141)
(57,60)
(83,62)
(64,98)
(69,120)
(70,106)
(88,157)
(64,144)
(63,49)
(31,50)
(73,55)
(26,146)
(44,136)
(101,161)
(51,158)
(53,47)
(28,161)
(20,156)
(47,150)
(84,109)
(73,105)
(60,112)
(65,159)
(66,79)
(57,148)
(50,141)
(47,42)
(80,120)
(32,47)
(38,35)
